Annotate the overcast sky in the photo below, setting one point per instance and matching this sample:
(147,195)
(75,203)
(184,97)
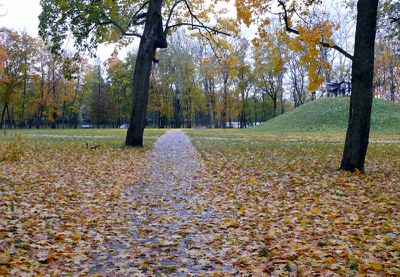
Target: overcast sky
(22,15)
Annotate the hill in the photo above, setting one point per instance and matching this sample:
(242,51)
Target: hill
(331,114)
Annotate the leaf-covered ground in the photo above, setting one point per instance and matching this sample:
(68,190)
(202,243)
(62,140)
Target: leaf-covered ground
(290,211)
(60,200)
(169,230)
(277,206)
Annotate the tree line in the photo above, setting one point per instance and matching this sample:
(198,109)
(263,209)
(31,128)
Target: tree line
(240,83)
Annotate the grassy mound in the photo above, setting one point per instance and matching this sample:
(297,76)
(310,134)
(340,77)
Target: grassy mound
(331,114)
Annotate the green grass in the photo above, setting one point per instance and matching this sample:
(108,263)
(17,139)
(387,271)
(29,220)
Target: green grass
(90,136)
(331,115)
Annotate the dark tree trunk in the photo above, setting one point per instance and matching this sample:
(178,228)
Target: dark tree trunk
(274,100)
(357,136)
(152,39)
(280,85)
(2,123)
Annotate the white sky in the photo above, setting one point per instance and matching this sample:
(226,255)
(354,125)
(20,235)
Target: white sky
(22,15)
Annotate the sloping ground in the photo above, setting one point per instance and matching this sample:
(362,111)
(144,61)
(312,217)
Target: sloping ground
(331,114)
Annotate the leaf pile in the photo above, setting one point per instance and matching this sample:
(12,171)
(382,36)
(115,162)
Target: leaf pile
(288,210)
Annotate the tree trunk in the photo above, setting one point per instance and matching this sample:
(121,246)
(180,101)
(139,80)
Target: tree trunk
(2,122)
(152,39)
(280,92)
(275,107)
(357,136)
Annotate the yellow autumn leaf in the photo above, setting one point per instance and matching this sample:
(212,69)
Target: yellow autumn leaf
(329,260)
(375,265)
(5,257)
(293,246)
(60,237)
(315,210)
(76,236)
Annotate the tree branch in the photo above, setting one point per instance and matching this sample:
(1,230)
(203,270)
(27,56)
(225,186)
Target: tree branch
(137,16)
(394,19)
(120,28)
(294,31)
(171,11)
(198,25)
(195,26)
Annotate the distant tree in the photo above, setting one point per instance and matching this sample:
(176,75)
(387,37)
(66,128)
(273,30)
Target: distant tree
(119,75)
(387,69)
(271,63)
(92,22)
(244,79)
(78,91)
(297,79)
(102,109)
(177,66)
(28,54)
(209,82)
(12,72)
(389,18)
(387,54)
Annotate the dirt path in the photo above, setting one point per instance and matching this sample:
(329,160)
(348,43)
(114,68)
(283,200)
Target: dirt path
(171,231)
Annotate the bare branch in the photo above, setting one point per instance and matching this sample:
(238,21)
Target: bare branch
(171,12)
(195,26)
(337,48)
(211,44)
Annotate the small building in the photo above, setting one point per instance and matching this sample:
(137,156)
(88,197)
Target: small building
(338,89)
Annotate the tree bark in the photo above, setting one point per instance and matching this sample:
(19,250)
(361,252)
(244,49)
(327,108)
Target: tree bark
(357,136)
(152,39)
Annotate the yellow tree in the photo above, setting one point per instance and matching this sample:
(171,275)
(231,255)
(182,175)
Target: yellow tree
(387,69)
(271,60)
(227,70)
(207,65)
(119,78)
(12,77)
(319,33)
(243,80)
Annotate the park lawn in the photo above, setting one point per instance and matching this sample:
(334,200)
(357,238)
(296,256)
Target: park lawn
(60,200)
(288,208)
(285,206)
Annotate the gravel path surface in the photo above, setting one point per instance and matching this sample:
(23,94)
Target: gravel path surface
(171,232)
